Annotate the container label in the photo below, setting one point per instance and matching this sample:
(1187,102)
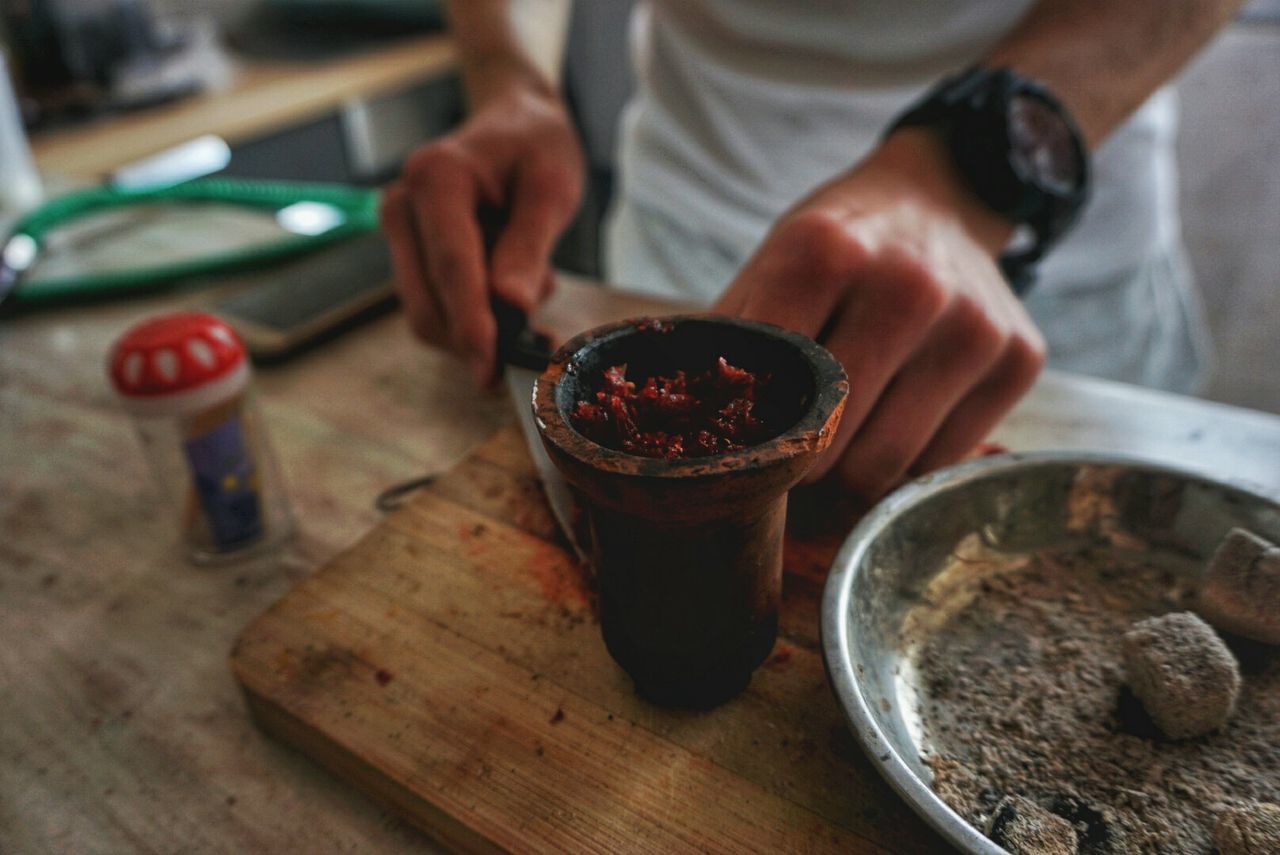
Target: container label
(227,483)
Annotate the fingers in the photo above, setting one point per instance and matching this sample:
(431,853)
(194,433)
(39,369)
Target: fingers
(979,412)
(444,194)
(416,295)
(960,350)
(516,152)
(797,277)
(935,354)
(891,311)
(541,202)
(885,266)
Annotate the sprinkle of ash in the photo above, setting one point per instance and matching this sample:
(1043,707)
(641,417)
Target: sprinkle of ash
(1024,696)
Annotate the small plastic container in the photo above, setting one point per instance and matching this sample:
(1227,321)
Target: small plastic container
(185,379)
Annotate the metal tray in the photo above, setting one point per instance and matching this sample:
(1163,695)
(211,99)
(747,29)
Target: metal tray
(1001,508)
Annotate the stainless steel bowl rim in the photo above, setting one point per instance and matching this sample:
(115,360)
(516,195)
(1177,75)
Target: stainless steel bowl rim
(835,608)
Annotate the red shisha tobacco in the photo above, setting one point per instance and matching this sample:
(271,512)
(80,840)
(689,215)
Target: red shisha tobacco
(688,415)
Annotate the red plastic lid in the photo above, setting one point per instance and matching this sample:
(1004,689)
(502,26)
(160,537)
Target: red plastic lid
(174,353)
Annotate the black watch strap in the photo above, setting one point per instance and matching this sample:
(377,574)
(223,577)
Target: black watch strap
(979,113)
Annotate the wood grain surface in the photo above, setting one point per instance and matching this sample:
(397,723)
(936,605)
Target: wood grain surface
(121,729)
(450,663)
(121,726)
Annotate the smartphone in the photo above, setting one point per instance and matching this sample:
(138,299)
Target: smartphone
(296,305)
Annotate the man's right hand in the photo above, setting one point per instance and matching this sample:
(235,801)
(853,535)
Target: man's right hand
(517,152)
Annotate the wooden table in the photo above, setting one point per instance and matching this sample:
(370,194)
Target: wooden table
(120,726)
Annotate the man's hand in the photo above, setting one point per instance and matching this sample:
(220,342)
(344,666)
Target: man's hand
(517,153)
(892,267)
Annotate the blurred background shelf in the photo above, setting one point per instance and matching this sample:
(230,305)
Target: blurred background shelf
(284,107)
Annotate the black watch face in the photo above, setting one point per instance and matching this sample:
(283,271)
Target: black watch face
(1042,146)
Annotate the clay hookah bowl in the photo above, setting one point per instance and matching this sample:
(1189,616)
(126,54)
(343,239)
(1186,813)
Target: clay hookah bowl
(687,553)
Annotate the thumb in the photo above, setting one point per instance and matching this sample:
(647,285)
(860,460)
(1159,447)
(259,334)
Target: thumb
(541,202)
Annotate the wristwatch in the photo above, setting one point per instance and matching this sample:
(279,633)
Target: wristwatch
(1020,151)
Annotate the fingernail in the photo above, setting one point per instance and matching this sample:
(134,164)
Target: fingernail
(519,290)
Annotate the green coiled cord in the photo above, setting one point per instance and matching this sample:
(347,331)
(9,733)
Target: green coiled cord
(358,206)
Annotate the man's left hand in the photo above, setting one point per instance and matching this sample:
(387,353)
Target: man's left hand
(892,267)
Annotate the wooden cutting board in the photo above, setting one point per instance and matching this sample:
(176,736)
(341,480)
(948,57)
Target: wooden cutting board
(449,664)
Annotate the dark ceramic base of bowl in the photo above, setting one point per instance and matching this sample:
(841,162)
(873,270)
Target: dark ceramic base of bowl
(688,552)
(695,688)
(689,611)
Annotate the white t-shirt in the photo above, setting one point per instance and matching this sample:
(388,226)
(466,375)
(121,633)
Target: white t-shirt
(743,106)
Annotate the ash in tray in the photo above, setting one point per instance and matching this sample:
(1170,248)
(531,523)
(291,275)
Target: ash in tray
(687,415)
(1025,697)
